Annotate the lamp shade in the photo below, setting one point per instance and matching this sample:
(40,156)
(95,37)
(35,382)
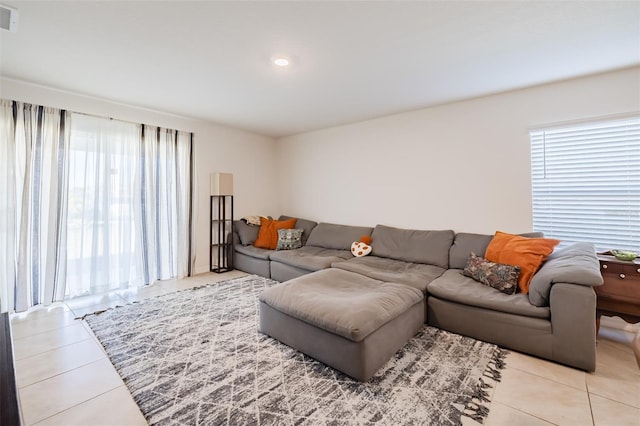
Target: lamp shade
(221,184)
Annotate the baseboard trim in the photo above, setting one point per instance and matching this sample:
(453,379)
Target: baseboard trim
(9,409)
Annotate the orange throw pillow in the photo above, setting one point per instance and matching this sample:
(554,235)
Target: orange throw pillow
(527,253)
(268,233)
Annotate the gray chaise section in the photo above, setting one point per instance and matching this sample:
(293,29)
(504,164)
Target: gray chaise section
(455,287)
(562,330)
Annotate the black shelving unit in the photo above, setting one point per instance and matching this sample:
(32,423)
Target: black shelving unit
(221,234)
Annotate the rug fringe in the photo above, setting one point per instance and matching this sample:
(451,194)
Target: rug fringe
(476,408)
(101,311)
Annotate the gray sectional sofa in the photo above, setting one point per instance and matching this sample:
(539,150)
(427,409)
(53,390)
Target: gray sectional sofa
(555,321)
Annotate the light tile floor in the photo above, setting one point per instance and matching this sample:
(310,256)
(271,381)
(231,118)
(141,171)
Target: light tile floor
(65,378)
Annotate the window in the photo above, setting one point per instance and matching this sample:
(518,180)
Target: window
(586,183)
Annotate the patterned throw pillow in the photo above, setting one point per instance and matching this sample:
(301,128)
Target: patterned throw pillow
(360,249)
(268,233)
(289,239)
(499,276)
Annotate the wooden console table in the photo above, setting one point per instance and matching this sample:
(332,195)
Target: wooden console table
(620,294)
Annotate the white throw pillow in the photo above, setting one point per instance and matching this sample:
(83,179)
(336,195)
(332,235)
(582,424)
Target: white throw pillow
(359,249)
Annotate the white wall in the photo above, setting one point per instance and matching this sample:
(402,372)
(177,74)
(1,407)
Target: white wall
(250,157)
(463,166)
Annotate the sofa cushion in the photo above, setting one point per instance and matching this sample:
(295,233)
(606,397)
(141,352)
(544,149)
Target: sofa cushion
(289,239)
(258,253)
(268,234)
(410,245)
(247,233)
(346,304)
(310,258)
(576,264)
(416,275)
(339,237)
(502,277)
(465,243)
(306,225)
(455,287)
(527,253)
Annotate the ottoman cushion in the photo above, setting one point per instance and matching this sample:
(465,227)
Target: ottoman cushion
(348,321)
(341,302)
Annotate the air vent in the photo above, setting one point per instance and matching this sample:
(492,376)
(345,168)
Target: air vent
(8,18)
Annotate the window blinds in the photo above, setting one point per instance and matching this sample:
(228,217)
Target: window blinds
(585,182)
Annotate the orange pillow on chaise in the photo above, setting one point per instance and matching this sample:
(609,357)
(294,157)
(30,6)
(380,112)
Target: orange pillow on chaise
(268,233)
(527,253)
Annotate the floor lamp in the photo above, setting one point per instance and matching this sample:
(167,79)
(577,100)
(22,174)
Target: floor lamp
(221,231)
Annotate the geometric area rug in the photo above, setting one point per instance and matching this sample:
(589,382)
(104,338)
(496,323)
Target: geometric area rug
(196,357)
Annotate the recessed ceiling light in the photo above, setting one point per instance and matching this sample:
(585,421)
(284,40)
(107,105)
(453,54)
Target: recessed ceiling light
(280,61)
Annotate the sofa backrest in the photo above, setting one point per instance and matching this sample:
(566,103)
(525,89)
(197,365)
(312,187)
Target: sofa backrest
(247,234)
(411,245)
(306,225)
(465,243)
(339,237)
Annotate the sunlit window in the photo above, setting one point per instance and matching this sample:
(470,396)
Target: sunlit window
(586,183)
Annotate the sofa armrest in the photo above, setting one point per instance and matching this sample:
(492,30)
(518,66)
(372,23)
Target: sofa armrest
(573,321)
(575,264)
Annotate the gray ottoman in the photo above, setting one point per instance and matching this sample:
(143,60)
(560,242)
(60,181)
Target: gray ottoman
(343,319)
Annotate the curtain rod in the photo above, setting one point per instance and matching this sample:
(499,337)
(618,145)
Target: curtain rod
(126,121)
(95,115)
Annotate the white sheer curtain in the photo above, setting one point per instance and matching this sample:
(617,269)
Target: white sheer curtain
(33,149)
(104,249)
(89,204)
(166,203)
(129,205)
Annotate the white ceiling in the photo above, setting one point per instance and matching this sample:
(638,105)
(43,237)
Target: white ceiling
(351,60)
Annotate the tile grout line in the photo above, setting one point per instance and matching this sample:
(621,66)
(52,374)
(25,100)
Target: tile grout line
(62,372)
(593,419)
(68,371)
(98,342)
(78,404)
(39,333)
(612,400)
(552,380)
(52,349)
(528,414)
